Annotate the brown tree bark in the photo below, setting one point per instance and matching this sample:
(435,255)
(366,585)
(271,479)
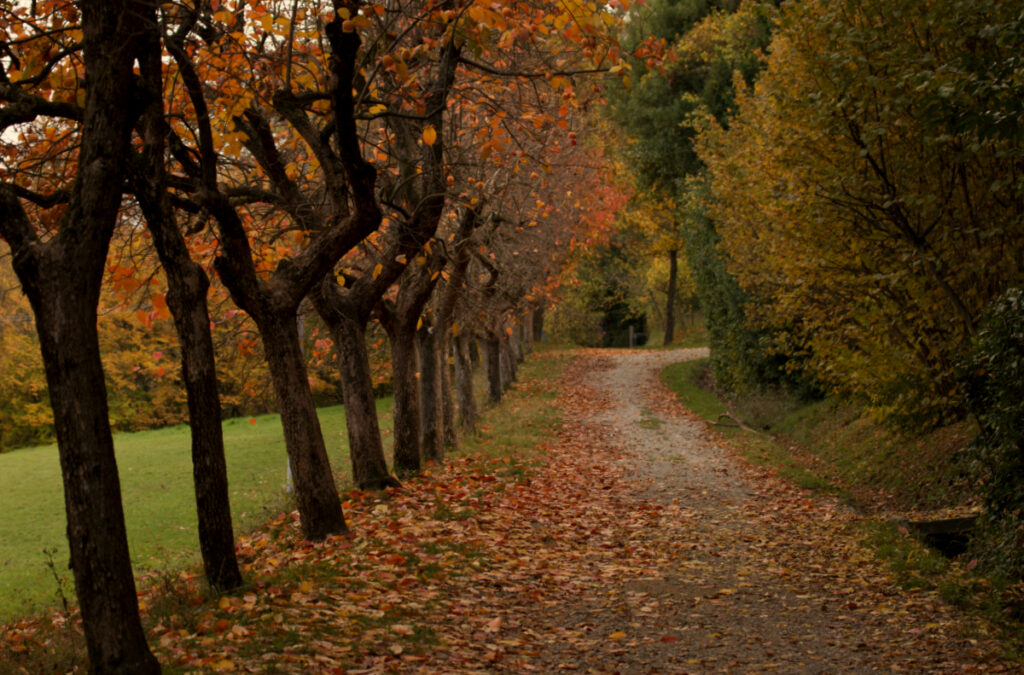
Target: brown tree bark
(186,298)
(400,321)
(464,384)
(408,456)
(451,435)
(315,492)
(538,324)
(431,397)
(348,323)
(670,302)
(62,278)
(492,349)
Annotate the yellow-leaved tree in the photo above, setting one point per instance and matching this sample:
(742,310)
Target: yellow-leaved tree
(868,193)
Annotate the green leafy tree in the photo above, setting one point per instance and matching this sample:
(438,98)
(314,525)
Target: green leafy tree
(868,196)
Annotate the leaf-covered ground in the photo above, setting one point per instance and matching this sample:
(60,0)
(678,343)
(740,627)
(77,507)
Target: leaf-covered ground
(635,543)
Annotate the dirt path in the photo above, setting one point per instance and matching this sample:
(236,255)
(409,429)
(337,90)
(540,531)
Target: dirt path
(634,543)
(734,570)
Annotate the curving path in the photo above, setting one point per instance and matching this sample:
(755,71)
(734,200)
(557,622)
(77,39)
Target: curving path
(730,569)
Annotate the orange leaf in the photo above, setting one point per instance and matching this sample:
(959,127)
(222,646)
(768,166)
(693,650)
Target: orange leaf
(430,135)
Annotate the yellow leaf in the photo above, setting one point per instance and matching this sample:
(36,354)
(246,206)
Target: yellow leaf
(225,602)
(268,22)
(430,135)
(419,324)
(617,635)
(455,330)
(421,260)
(223,665)
(305,587)
(379,108)
(344,13)
(377,270)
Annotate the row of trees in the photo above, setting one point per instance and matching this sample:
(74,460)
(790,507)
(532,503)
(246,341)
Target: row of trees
(414,162)
(847,182)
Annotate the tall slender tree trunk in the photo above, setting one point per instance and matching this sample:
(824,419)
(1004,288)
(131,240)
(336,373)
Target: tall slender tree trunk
(507,362)
(316,494)
(431,404)
(188,286)
(528,333)
(670,302)
(474,353)
(186,299)
(464,384)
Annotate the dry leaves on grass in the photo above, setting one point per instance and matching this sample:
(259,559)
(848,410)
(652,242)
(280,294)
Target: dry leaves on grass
(500,565)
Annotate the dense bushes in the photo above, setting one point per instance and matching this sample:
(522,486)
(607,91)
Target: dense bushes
(994,388)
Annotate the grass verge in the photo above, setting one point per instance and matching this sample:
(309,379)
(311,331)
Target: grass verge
(835,449)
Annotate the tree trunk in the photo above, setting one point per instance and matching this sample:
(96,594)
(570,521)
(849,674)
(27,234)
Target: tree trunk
(62,277)
(186,297)
(407,455)
(492,347)
(474,353)
(538,324)
(516,345)
(508,362)
(528,333)
(451,436)
(431,412)
(670,302)
(92,492)
(464,384)
(369,468)
(315,491)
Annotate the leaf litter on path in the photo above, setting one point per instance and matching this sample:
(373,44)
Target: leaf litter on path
(629,548)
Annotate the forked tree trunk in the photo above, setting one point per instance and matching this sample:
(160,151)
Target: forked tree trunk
(464,384)
(670,302)
(315,492)
(62,277)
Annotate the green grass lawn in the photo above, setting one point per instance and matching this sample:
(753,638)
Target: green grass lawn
(159,500)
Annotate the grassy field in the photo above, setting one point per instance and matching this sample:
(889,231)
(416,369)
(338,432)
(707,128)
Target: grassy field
(159,500)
